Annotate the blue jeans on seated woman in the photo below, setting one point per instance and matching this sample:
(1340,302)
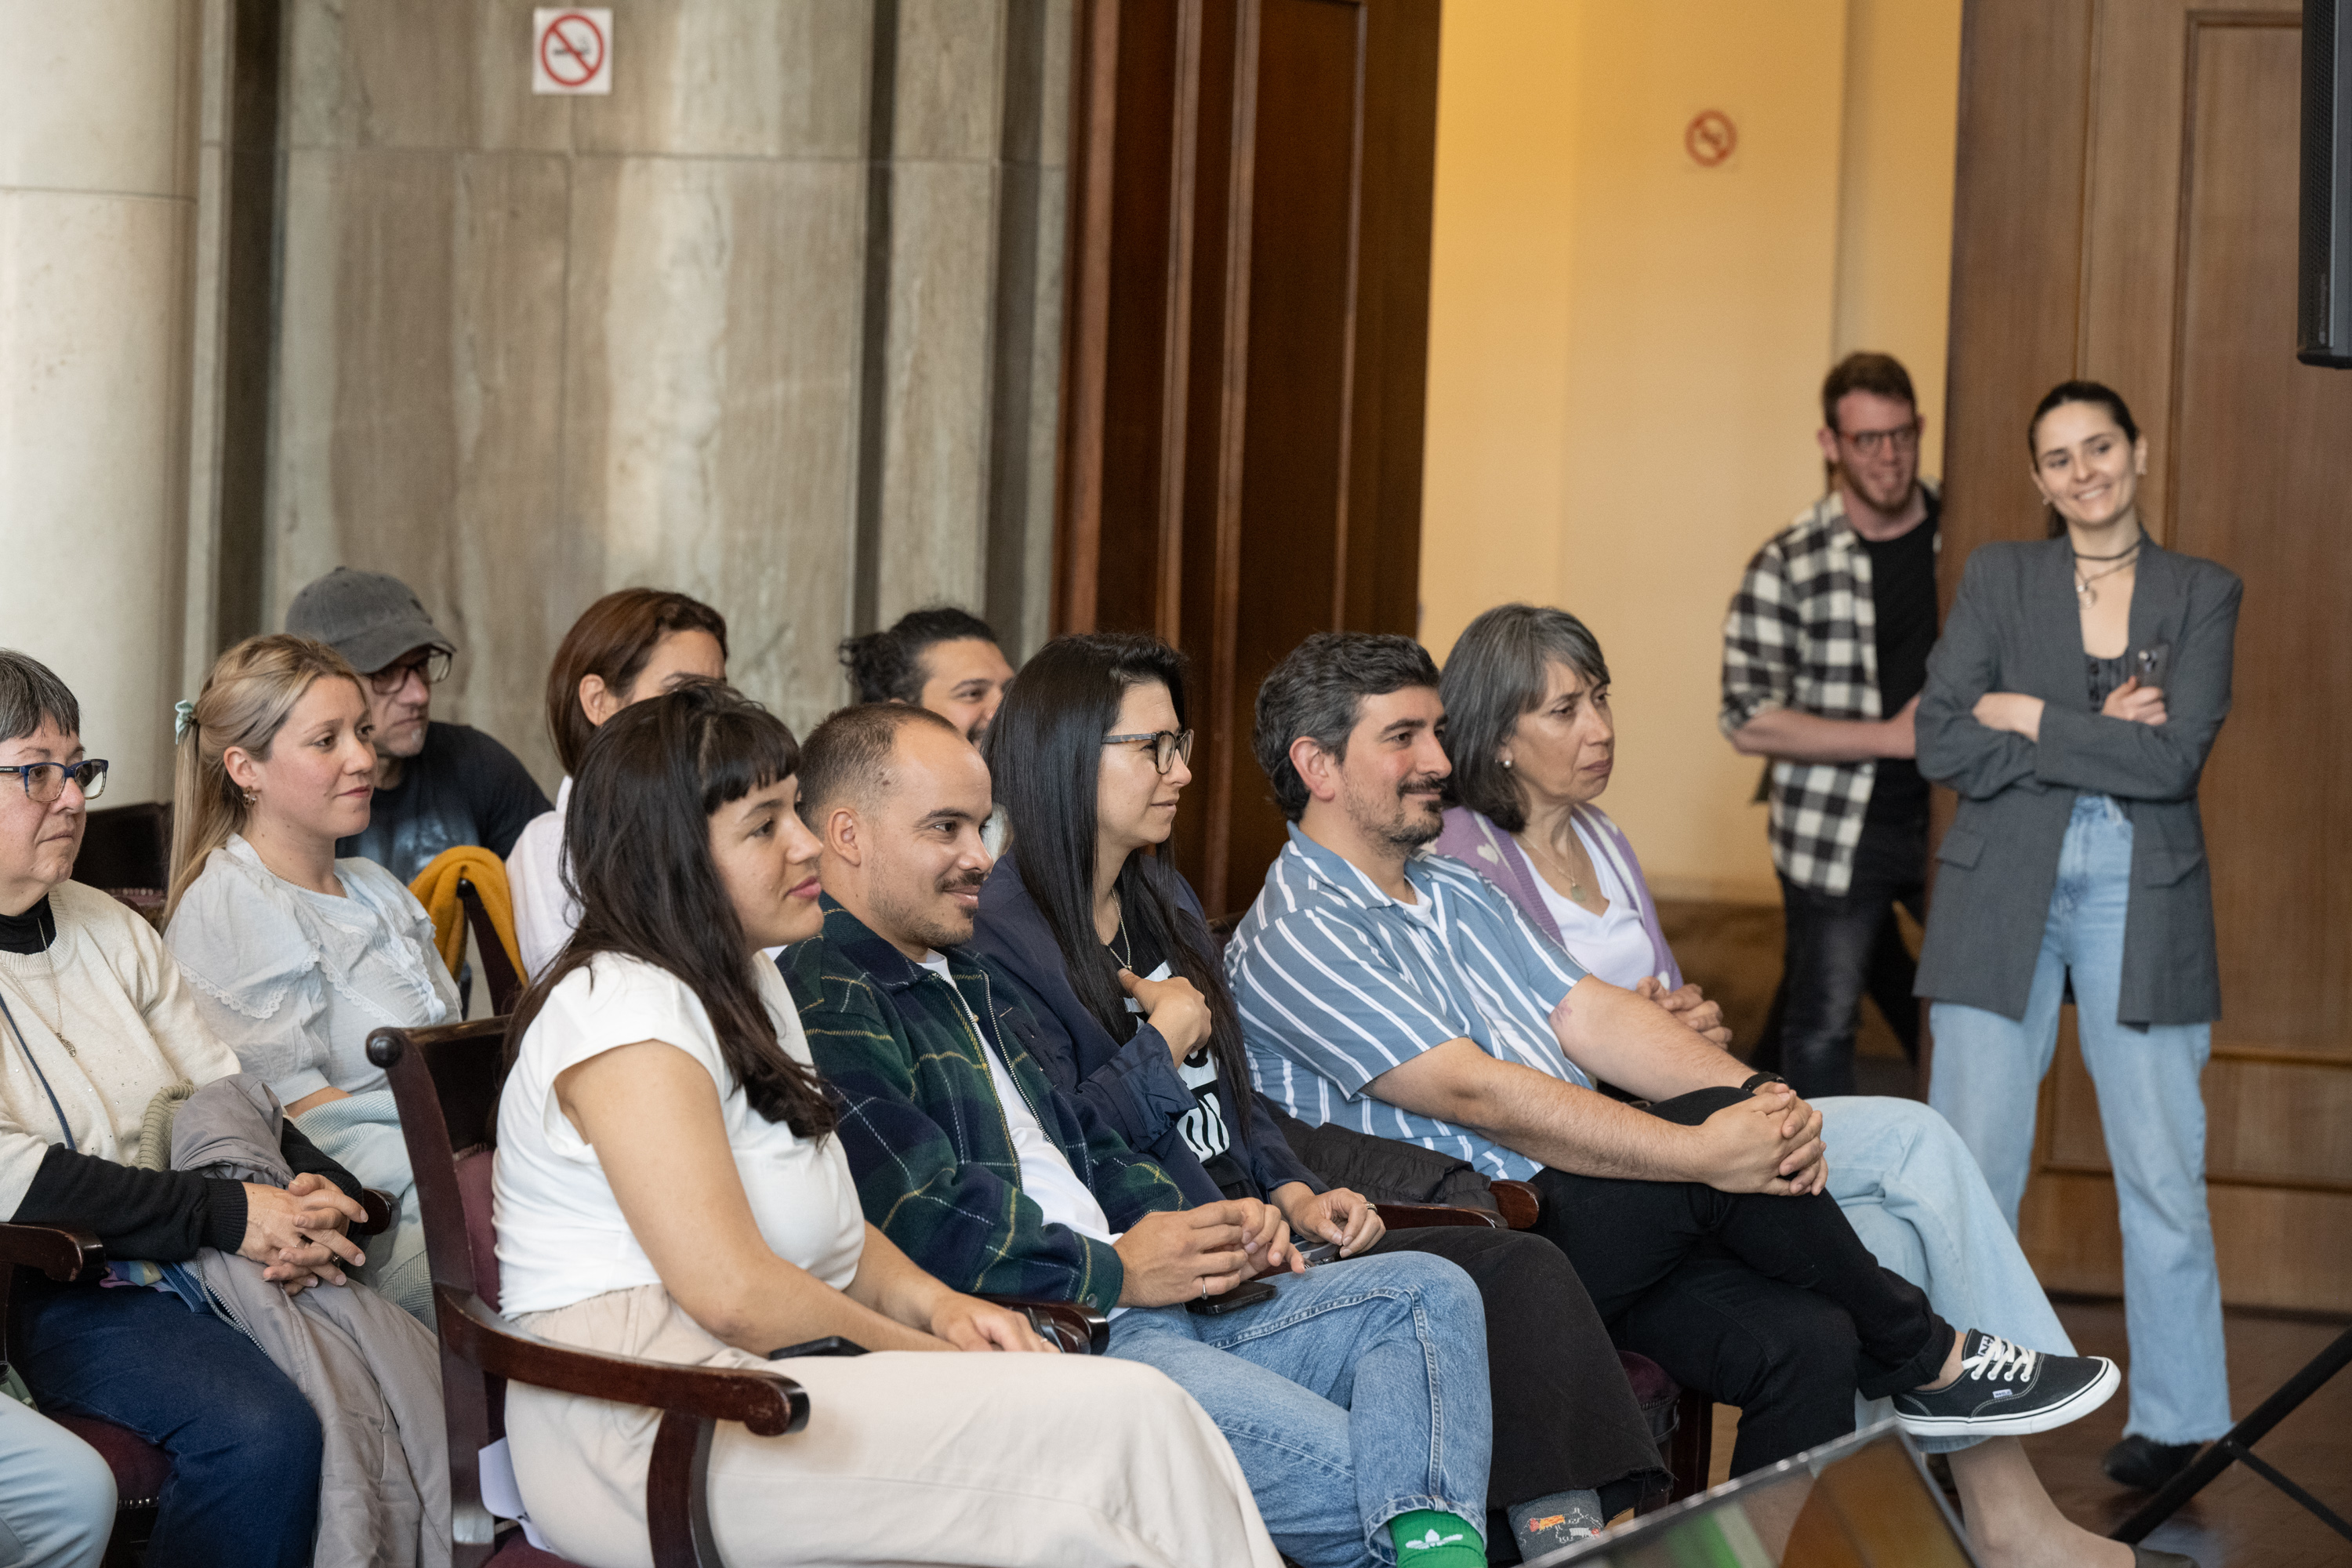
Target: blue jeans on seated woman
(1358,1394)
(1988,1078)
(244,1443)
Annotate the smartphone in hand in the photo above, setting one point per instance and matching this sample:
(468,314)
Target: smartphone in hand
(2153,665)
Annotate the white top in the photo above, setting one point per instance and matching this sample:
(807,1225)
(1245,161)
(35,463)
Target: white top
(1046,1178)
(544,914)
(134,1025)
(562,1235)
(295,981)
(1615,944)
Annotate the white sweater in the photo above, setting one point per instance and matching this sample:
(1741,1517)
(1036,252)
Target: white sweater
(134,1025)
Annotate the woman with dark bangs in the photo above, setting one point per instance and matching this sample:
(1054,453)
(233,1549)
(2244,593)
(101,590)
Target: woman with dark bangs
(1106,945)
(669,1185)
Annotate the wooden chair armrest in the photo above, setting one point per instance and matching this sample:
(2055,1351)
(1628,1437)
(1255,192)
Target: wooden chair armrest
(1077,1327)
(1520,1204)
(768,1403)
(62,1254)
(379,1213)
(1416,1216)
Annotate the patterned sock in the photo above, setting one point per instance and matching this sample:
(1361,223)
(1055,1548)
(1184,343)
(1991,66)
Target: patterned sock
(1427,1538)
(1548,1523)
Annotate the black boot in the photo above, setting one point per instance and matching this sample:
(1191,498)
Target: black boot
(2145,1463)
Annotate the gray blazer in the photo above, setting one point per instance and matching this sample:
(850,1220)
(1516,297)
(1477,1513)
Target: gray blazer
(2016,627)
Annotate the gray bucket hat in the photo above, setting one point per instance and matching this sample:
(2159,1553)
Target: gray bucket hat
(369,617)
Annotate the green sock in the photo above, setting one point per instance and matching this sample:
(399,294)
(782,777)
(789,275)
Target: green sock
(1427,1538)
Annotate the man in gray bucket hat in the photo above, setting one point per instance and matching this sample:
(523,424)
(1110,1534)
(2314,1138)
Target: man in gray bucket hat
(436,785)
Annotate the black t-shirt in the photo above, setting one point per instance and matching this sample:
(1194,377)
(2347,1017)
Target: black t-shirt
(1205,1129)
(462,788)
(1903,595)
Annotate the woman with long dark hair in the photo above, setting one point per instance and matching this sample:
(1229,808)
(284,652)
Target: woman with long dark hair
(2079,685)
(1106,944)
(669,1185)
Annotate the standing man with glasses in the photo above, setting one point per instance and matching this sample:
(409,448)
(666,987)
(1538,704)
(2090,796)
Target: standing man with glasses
(436,784)
(1824,654)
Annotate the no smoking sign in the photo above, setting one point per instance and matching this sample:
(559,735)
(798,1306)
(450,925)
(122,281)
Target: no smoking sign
(572,49)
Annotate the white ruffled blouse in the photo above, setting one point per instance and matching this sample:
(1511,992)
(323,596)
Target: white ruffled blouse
(295,981)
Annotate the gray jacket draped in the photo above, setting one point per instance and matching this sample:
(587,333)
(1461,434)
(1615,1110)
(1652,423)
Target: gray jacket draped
(2016,627)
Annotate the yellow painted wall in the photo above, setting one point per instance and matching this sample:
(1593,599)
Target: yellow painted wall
(1625,348)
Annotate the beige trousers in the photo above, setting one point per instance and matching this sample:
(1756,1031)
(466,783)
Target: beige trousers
(972,1459)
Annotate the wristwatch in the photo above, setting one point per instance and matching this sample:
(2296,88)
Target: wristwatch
(1760,1080)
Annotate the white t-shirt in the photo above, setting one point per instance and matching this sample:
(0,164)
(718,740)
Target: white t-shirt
(562,1235)
(544,914)
(1615,944)
(1046,1178)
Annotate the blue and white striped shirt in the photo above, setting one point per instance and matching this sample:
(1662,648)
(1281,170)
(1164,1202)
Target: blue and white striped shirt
(1337,983)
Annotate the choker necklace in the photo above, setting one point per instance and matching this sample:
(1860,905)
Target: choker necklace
(2083,589)
(2118,556)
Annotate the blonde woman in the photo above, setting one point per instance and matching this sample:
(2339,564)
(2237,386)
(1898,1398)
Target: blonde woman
(296,956)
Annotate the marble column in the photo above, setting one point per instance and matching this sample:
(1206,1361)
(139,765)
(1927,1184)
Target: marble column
(98,104)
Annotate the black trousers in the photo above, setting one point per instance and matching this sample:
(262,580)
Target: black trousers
(1771,1304)
(1840,948)
(1565,1418)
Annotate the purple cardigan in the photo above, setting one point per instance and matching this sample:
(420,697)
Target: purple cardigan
(1476,841)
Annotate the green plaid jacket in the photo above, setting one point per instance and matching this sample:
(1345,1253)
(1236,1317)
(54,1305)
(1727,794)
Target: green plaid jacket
(926,1134)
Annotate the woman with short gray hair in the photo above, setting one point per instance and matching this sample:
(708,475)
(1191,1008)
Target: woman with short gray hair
(1533,743)
(95,1022)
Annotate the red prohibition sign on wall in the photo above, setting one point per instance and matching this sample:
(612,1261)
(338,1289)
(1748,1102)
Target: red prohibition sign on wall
(1710,138)
(571,50)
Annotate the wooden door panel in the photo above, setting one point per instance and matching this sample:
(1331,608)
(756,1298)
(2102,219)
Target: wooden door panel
(2178,289)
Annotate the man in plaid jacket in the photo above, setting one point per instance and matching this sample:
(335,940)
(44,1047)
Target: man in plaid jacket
(1355,1394)
(1824,654)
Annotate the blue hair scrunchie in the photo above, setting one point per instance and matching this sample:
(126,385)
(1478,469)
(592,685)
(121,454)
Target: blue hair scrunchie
(184,718)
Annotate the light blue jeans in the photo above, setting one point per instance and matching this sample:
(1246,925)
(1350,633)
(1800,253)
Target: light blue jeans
(57,1496)
(1358,1394)
(1988,1074)
(1913,1194)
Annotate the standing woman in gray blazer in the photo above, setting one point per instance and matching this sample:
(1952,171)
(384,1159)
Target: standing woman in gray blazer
(2077,688)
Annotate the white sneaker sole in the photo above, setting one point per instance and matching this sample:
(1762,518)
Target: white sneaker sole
(2085,1400)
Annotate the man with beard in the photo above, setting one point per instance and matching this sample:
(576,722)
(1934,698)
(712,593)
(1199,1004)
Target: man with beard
(1825,655)
(1400,993)
(1354,1395)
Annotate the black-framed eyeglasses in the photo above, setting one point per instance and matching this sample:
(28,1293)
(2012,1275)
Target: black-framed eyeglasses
(43,781)
(1167,746)
(1870,443)
(432,665)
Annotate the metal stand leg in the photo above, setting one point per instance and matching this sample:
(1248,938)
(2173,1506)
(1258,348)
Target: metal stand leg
(2238,1445)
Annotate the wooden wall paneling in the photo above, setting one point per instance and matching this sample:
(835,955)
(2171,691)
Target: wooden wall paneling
(1249,314)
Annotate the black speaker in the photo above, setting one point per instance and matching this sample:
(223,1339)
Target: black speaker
(2323,291)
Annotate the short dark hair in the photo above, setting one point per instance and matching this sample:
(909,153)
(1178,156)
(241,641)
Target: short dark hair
(888,666)
(1496,673)
(30,692)
(636,855)
(612,639)
(1318,692)
(1881,373)
(850,752)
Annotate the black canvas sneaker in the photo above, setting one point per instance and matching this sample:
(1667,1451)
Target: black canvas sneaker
(2007,1391)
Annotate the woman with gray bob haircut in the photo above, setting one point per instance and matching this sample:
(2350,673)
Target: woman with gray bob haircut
(1533,743)
(95,1023)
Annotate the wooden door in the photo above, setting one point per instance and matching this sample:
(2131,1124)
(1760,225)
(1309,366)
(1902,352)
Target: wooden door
(1243,388)
(2127,212)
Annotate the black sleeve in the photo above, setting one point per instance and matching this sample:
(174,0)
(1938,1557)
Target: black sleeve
(504,795)
(163,1215)
(301,1154)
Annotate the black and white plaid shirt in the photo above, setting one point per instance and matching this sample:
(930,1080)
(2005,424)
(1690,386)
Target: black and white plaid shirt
(1802,633)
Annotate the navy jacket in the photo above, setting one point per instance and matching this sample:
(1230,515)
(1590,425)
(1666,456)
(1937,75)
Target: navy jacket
(1133,1087)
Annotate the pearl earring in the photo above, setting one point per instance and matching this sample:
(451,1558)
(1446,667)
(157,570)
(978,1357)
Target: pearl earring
(1506,762)
(252,796)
